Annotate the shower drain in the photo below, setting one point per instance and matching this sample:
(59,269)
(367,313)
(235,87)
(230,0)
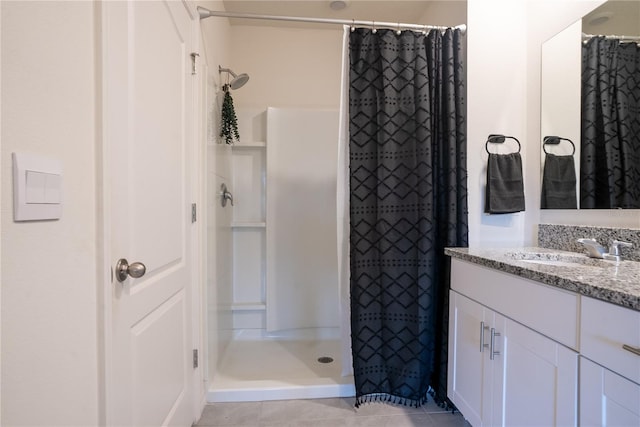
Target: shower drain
(325,359)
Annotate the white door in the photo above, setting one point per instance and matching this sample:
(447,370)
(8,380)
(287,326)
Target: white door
(535,378)
(467,336)
(148,141)
(606,398)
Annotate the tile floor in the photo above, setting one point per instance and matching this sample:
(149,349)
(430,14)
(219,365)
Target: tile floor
(332,412)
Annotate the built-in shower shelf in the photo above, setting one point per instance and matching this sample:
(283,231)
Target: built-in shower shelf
(255,144)
(243,224)
(249,306)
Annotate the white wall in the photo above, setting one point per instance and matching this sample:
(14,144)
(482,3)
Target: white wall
(49,272)
(496,104)
(288,67)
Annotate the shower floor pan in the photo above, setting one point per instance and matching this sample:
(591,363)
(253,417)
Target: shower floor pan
(258,366)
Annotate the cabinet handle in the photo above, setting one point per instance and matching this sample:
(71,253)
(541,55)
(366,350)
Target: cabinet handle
(492,352)
(482,329)
(634,350)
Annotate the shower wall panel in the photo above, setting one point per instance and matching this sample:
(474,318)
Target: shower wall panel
(301,248)
(248,190)
(219,292)
(248,278)
(248,183)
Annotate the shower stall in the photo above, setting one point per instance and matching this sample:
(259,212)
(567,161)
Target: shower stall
(276,311)
(274,300)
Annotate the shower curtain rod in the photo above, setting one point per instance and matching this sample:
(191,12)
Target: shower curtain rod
(206,13)
(630,38)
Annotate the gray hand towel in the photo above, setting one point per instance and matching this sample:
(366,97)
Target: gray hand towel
(558,183)
(505,186)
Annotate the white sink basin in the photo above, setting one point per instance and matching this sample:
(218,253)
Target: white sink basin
(553,262)
(559,259)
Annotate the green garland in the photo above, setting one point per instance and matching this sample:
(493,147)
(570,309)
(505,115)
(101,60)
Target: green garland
(229,125)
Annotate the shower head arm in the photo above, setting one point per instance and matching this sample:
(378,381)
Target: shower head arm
(238,80)
(226,70)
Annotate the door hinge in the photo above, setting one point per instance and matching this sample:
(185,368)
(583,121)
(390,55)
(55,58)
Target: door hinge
(193,62)
(194,213)
(195,358)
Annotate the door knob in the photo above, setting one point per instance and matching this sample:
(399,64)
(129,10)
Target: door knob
(124,269)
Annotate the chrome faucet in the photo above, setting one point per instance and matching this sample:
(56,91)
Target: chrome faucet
(596,250)
(614,250)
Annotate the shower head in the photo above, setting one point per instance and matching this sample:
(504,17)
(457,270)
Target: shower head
(238,80)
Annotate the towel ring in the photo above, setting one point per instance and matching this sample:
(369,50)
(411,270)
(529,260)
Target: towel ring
(555,140)
(499,139)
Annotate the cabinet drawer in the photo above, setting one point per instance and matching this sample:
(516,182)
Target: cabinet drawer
(605,329)
(548,310)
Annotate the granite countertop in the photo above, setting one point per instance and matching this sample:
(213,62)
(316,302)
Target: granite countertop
(617,283)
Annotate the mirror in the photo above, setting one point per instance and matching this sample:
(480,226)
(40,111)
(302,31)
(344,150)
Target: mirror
(590,111)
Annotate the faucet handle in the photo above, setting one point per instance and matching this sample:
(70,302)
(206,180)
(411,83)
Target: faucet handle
(587,241)
(614,249)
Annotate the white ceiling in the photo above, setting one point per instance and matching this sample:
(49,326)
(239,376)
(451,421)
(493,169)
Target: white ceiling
(367,10)
(623,18)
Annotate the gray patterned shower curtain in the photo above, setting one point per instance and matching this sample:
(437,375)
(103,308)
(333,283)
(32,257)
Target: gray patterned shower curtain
(408,200)
(610,134)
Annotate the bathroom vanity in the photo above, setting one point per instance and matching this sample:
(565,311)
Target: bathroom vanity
(543,337)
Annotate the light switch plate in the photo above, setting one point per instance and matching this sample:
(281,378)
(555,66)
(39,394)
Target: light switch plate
(34,190)
(37,187)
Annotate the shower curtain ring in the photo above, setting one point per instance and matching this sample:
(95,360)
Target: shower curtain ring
(398,31)
(353,25)
(373,25)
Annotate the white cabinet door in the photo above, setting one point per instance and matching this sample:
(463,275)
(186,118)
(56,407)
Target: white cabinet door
(502,373)
(606,398)
(466,361)
(535,378)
